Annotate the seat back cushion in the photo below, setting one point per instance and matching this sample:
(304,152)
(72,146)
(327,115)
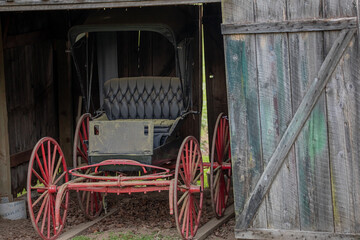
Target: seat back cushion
(143,98)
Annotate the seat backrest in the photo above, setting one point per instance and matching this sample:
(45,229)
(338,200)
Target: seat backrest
(143,98)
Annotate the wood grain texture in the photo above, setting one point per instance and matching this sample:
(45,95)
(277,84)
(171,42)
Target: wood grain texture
(292,235)
(242,87)
(31,101)
(295,126)
(291,26)
(275,114)
(65,108)
(343,109)
(312,154)
(5,179)
(35,5)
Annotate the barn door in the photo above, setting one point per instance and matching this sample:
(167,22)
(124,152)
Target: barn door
(293,111)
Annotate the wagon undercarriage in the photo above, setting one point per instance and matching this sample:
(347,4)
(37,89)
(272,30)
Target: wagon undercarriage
(50,180)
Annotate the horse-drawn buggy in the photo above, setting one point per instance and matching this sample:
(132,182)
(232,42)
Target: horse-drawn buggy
(133,143)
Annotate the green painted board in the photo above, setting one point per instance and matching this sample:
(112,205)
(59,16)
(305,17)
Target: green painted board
(275,114)
(242,88)
(312,154)
(244,117)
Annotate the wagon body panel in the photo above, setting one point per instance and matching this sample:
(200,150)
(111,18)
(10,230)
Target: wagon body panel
(125,137)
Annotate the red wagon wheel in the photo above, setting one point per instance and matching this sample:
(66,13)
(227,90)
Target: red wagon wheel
(47,171)
(90,202)
(220,179)
(189,185)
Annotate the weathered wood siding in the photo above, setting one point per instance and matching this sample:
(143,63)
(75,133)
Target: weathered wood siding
(36,5)
(311,147)
(244,113)
(268,74)
(343,108)
(30,89)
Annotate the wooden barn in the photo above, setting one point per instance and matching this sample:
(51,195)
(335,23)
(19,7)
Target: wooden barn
(40,91)
(290,90)
(293,87)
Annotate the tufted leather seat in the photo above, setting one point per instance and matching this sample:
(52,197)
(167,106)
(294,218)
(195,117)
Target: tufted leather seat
(143,98)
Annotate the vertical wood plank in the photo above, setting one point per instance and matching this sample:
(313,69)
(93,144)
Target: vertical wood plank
(5,177)
(343,107)
(242,88)
(63,66)
(306,50)
(215,65)
(276,114)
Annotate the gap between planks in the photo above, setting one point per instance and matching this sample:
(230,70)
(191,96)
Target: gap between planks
(214,223)
(77,230)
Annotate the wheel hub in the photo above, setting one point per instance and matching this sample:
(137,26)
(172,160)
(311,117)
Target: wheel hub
(52,189)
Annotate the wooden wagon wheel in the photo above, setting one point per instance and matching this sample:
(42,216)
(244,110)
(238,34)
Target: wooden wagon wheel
(189,185)
(220,180)
(90,202)
(47,171)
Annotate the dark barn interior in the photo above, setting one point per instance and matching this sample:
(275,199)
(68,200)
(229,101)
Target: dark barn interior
(43,94)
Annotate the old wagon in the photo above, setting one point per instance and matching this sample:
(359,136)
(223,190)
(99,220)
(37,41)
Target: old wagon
(132,143)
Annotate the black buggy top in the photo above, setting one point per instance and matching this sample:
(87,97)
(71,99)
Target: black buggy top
(139,116)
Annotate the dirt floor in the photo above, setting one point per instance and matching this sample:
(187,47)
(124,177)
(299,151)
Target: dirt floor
(140,216)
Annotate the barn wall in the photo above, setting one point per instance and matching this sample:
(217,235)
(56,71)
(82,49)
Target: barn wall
(318,186)
(41,90)
(30,88)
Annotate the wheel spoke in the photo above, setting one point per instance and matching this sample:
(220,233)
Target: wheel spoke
(44,160)
(45,215)
(196,166)
(87,202)
(41,209)
(59,178)
(189,158)
(193,214)
(191,217)
(40,166)
(183,197)
(53,213)
(81,153)
(57,168)
(63,206)
(53,159)
(38,177)
(84,131)
(183,207)
(48,225)
(49,159)
(197,177)
(182,175)
(185,218)
(82,142)
(44,194)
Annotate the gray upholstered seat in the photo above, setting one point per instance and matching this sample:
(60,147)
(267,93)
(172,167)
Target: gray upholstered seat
(144,98)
